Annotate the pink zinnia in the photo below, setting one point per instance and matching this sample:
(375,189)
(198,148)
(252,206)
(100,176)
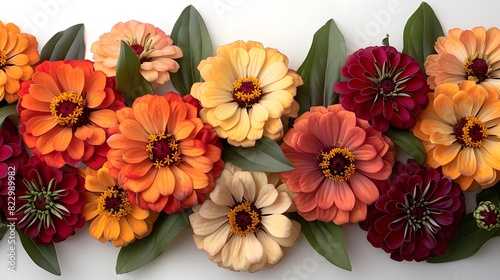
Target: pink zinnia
(383,86)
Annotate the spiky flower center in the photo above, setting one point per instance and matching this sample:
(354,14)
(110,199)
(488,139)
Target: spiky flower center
(244,218)
(388,83)
(477,68)
(470,132)
(42,203)
(487,215)
(114,202)
(3,58)
(163,149)
(337,164)
(246,91)
(69,109)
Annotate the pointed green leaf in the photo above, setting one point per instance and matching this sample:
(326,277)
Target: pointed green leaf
(321,68)
(420,33)
(7,111)
(66,44)
(408,142)
(129,79)
(265,156)
(143,251)
(385,41)
(191,35)
(328,240)
(43,255)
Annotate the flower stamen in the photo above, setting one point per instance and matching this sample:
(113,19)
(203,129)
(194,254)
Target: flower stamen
(3,59)
(477,67)
(246,91)
(337,164)
(244,218)
(470,131)
(163,149)
(114,202)
(69,109)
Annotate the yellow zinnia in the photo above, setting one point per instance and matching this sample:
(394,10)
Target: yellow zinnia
(460,130)
(18,55)
(111,215)
(246,90)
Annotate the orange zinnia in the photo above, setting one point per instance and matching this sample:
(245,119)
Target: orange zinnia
(18,55)
(65,111)
(460,130)
(111,215)
(163,154)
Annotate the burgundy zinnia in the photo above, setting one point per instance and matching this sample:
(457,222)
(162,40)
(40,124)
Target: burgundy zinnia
(416,214)
(49,202)
(383,86)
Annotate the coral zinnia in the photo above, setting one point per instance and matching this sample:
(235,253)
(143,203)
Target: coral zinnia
(383,86)
(416,214)
(111,215)
(154,48)
(242,226)
(163,154)
(65,112)
(18,55)
(49,201)
(336,157)
(246,90)
(460,130)
(465,55)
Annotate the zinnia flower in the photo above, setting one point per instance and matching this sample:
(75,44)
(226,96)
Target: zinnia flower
(460,131)
(465,55)
(384,87)
(416,214)
(49,201)
(154,48)
(336,157)
(487,215)
(111,215)
(242,226)
(246,90)
(163,154)
(18,55)
(65,112)
(12,156)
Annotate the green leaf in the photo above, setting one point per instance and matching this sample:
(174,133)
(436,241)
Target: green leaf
(467,241)
(490,194)
(143,251)
(43,255)
(385,41)
(67,44)
(408,142)
(328,240)
(7,111)
(420,33)
(321,68)
(265,156)
(129,79)
(191,35)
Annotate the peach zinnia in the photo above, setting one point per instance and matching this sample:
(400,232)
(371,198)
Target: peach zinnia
(246,90)
(18,55)
(108,210)
(65,112)
(465,55)
(460,130)
(336,156)
(163,154)
(154,48)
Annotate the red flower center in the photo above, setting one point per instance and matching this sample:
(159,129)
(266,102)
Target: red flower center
(490,217)
(163,149)
(477,68)
(41,202)
(113,203)
(246,91)
(244,218)
(337,164)
(470,131)
(138,49)
(69,109)
(386,86)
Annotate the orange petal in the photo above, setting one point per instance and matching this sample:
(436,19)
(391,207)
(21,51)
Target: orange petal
(62,139)
(112,229)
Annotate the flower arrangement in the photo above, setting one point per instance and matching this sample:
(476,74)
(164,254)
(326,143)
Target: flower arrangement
(245,151)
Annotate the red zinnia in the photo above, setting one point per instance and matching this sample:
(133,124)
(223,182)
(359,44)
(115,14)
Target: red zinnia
(416,214)
(383,86)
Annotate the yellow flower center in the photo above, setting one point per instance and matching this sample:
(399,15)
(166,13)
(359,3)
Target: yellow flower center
(246,91)
(163,149)
(3,58)
(477,67)
(69,109)
(470,132)
(337,164)
(114,203)
(244,218)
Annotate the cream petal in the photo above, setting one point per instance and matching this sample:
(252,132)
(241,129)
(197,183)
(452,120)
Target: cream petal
(272,249)
(213,243)
(252,249)
(202,226)
(226,111)
(280,205)
(257,59)
(277,225)
(209,210)
(267,196)
(248,182)
(467,162)
(222,196)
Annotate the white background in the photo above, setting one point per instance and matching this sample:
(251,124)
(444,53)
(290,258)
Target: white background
(288,26)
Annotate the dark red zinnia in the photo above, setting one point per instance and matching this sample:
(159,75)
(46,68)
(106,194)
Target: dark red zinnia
(49,201)
(416,214)
(383,86)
